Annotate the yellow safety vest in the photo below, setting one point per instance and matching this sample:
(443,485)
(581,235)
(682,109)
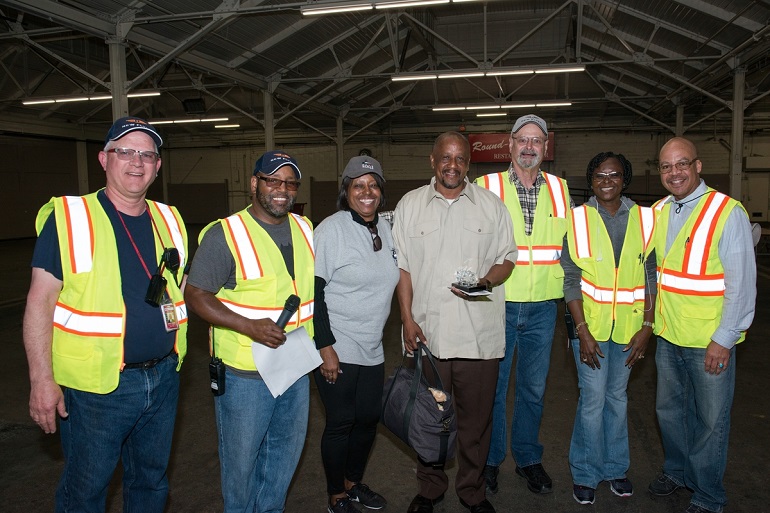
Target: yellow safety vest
(691,280)
(538,276)
(89,318)
(611,293)
(262,282)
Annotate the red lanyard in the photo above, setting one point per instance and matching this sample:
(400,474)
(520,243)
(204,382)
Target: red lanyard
(149,275)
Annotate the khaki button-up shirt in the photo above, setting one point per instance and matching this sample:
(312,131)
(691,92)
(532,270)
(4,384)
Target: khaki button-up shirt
(434,237)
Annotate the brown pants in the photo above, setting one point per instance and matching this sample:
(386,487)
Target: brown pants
(472,384)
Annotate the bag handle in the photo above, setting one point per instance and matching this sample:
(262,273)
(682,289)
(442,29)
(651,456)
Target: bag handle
(421,349)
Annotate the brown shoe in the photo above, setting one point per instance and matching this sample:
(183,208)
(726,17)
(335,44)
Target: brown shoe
(422,504)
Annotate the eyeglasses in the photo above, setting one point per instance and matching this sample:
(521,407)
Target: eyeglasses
(145,157)
(523,141)
(613,177)
(274,183)
(682,165)
(376,240)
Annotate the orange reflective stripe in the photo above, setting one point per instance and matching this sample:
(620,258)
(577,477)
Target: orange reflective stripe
(494,183)
(173,226)
(691,284)
(580,232)
(558,198)
(647,225)
(87,324)
(245,252)
(307,232)
(253,312)
(697,251)
(80,233)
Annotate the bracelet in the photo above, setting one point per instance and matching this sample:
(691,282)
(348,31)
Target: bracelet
(648,324)
(580,325)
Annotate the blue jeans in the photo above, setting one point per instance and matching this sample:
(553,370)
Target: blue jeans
(133,423)
(530,327)
(693,410)
(260,442)
(599,447)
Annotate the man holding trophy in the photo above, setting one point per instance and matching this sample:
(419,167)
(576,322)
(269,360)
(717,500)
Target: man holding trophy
(455,247)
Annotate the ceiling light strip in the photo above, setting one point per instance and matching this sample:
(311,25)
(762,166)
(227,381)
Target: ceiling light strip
(70,99)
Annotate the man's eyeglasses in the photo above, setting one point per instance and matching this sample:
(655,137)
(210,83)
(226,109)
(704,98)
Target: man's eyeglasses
(523,141)
(145,157)
(682,165)
(274,183)
(613,177)
(376,240)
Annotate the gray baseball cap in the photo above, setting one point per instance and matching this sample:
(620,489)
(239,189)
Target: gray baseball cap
(362,165)
(526,120)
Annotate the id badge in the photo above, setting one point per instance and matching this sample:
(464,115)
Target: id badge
(170,320)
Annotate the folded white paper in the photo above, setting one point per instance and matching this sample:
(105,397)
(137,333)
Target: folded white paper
(283,366)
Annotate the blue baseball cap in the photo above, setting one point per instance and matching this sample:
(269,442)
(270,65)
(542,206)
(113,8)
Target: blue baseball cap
(130,124)
(272,161)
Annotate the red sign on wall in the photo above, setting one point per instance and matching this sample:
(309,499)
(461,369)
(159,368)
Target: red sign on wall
(494,148)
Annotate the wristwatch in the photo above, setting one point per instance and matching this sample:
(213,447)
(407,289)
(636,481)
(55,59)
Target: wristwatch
(648,324)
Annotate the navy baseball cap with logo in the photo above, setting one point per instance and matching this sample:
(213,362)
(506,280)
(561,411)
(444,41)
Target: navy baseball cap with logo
(274,160)
(130,124)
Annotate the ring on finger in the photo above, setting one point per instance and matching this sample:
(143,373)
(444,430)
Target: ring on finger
(720,365)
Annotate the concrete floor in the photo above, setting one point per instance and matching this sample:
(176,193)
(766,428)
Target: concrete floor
(30,461)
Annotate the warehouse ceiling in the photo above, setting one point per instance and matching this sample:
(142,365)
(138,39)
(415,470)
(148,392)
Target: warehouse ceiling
(332,74)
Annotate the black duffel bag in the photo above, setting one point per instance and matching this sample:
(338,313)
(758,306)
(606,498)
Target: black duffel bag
(417,415)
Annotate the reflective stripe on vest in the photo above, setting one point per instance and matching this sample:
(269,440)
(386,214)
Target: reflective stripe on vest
(558,198)
(252,312)
(81,233)
(583,237)
(246,257)
(172,226)
(559,201)
(307,232)
(87,324)
(604,295)
(580,232)
(693,280)
(541,255)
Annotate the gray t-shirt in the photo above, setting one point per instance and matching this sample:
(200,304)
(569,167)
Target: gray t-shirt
(359,285)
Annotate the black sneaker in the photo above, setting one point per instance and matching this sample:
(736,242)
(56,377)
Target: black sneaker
(490,477)
(538,480)
(663,485)
(342,506)
(366,496)
(621,487)
(583,494)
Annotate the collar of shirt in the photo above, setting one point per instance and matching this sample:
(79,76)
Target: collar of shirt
(624,201)
(688,203)
(360,220)
(514,178)
(433,193)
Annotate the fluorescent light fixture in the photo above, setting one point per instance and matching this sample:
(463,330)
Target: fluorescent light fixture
(490,115)
(501,72)
(408,3)
(311,10)
(37,102)
(561,70)
(413,76)
(227,126)
(554,104)
(69,99)
(441,109)
(142,94)
(483,107)
(518,106)
(462,74)
(187,120)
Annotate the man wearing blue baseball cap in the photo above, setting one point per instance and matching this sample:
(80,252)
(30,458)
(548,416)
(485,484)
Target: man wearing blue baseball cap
(105,328)
(245,268)
(539,204)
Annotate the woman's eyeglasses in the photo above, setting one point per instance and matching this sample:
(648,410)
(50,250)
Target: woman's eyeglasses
(376,240)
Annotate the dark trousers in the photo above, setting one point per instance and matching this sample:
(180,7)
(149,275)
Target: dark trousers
(472,384)
(353,407)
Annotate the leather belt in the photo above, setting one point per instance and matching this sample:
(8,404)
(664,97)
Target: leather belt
(149,364)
